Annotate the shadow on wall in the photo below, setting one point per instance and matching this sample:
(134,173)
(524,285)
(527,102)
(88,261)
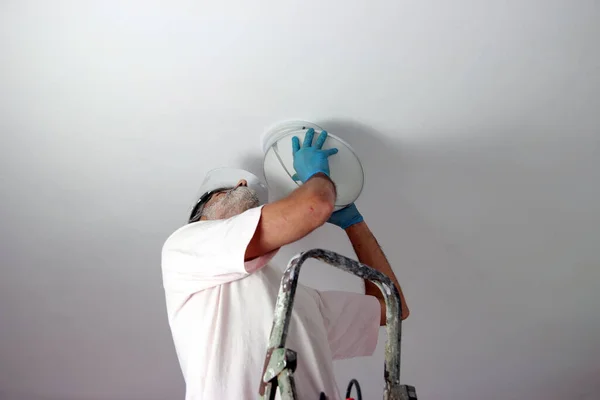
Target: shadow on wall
(380,157)
(399,227)
(382,201)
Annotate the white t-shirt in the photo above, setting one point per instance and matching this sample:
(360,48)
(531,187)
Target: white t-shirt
(220,311)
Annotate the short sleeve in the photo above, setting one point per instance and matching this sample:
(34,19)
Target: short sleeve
(352,323)
(206,254)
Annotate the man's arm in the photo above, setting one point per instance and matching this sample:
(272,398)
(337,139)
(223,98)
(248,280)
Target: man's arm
(307,208)
(293,217)
(369,252)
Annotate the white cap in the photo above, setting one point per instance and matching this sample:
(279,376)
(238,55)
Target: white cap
(222,178)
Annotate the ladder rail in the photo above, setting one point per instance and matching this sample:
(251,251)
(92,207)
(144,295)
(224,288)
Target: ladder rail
(273,371)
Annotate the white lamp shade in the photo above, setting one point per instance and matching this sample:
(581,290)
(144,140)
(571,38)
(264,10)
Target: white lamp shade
(345,167)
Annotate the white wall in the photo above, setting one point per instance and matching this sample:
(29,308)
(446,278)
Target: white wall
(477,123)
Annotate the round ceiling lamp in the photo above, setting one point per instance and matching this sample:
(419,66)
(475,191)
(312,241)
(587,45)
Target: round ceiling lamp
(345,167)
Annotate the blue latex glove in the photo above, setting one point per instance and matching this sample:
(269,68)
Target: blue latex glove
(346,217)
(309,159)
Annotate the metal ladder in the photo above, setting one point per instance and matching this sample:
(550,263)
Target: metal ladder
(280,362)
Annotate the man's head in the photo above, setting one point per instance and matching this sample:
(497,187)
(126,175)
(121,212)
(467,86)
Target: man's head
(227,202)
(226,192)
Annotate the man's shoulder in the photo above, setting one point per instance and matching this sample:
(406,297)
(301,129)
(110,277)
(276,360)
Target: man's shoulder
(196,228)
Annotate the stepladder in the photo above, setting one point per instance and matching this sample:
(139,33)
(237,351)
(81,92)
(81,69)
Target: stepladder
(280,362)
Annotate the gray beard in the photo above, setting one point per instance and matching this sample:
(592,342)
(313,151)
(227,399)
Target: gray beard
(233,203)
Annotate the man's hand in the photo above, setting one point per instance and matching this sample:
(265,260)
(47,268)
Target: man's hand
(346,217)
(308,159)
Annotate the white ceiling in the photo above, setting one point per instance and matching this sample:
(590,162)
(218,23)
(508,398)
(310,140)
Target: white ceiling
(478,123)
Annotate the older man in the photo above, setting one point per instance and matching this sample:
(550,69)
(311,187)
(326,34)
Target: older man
(221,292)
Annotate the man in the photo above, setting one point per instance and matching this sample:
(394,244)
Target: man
(221,293)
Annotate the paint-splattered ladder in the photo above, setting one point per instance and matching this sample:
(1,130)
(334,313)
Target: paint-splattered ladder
(280,363)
